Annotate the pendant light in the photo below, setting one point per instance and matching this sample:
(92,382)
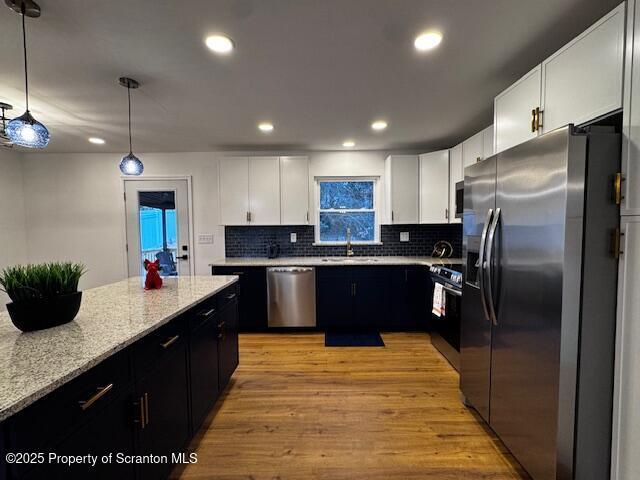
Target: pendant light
(130,164)
(25,130)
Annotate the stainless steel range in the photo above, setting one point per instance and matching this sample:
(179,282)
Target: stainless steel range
(446,317)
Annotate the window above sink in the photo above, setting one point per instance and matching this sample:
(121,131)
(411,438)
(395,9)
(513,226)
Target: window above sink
(347,204)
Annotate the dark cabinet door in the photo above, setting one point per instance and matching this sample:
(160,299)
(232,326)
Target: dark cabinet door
(203,363)
(334,298)
(163,394)
(408,298)
(252,308)
(228,356)
(370,299)
(110,431)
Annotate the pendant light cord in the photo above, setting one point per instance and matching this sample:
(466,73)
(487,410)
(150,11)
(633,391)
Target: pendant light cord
(24,47)
(129,99)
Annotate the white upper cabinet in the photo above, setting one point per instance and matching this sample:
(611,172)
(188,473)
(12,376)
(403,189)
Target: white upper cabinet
(402,189)
(583,80)
(512,110)
(631,130)
(294,190)
(473,149)
(264,190)
(487,142)
(434,187)
(456,174)
(233,188)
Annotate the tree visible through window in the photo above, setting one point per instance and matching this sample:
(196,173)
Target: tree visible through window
(347,204)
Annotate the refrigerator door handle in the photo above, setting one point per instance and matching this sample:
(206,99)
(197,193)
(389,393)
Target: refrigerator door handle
(481,261)
(490,239)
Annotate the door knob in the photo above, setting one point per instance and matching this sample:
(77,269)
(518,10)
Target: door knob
(184,257)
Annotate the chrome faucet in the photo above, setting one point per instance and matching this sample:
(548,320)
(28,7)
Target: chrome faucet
(349,248)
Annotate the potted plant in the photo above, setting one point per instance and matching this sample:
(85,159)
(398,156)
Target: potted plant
(44,295)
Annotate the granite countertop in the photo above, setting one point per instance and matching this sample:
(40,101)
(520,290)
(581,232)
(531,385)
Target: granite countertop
(331,261)
(111,318)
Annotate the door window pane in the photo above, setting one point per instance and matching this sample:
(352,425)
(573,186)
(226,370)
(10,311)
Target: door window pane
(158,231)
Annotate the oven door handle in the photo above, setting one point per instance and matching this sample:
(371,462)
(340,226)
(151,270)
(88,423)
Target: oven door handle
(481,261)
(452,291)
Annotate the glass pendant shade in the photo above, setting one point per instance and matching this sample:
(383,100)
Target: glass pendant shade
(131,165)
(26,131)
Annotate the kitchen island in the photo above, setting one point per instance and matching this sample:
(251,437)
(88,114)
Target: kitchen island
(135,373)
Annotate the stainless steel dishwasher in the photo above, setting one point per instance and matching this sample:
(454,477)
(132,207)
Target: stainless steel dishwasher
(291,296)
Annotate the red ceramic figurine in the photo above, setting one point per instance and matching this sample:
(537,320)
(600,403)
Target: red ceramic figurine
(153,279)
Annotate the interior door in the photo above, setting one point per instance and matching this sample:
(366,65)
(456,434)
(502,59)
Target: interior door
(530,251)
(157,217)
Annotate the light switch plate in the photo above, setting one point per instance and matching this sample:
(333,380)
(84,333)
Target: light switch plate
(205,238)
(294,237)
(404,236)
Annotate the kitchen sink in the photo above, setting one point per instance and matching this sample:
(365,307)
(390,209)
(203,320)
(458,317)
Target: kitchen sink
(349,260)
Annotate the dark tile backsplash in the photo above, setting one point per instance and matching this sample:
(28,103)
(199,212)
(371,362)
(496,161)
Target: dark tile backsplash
(253,241)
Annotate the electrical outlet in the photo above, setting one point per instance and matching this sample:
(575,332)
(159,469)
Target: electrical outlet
(294,237)
(404,236)
(205,238)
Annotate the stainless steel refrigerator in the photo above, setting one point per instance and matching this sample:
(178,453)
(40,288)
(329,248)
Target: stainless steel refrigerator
(538,304)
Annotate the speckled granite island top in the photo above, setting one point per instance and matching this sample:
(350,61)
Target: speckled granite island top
(331,261)
(111,318)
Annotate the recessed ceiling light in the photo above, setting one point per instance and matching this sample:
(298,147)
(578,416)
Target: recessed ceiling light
(379,125)
(348,143)
(96,140)
(266,127)
(219,44)
(427,41)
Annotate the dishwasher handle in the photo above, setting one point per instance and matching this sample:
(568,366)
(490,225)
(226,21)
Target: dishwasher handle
(290,269)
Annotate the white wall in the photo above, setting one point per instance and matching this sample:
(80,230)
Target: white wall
(74,204)
(74,209)
(13,249)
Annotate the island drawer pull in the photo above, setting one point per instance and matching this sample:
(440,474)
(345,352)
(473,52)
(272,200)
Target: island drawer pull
(102,391)
(170,342)
(146,408)
(231,296)
(208,313)
(141,420)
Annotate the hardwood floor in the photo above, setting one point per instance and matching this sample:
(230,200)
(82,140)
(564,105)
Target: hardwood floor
(298,410)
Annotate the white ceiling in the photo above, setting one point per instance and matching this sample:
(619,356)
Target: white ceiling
(320,70)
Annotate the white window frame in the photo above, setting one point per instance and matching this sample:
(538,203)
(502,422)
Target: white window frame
(376,209)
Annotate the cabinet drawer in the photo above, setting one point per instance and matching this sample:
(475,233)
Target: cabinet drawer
(51,419)
(159,345)
(227,296)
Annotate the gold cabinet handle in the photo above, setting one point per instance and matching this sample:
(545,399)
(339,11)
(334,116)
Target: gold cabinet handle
(170,342)
(617,188)
(533,120)
(538,119)
(142,417)
(102,391)
(146,408)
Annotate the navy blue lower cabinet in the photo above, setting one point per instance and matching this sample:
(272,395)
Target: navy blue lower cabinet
(410,294)
(252,307)
(334,298)
(161,410)
(227,331)
(352,298)
(203,361)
